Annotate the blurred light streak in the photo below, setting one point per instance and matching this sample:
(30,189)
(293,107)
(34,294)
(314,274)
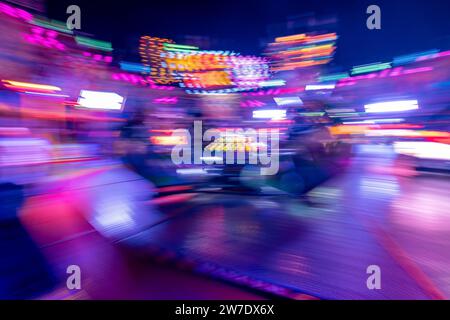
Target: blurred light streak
(14,131)
(423,149)
(344,115)
(15,12)
(134,67)
(139,80)
(311,114)
(311,87)
(370,67)
(211,159)
(52,24)
(274,114)
(273,92)
(375,121)
(301,51)
(47,94)
(291,38)
(347,129)
(192,171)
(398,71)
(175,47)
(333,77)
(54,115)
(285,101)
(153,55)
(92,43)
(45,38)
(392,106)
(114,214)
(340,110)
(169,140)
(413,57)
(23,86)
(100,100)
(98,57)
(381,130)
(272,83)
(252,103)
(166,100)
(407,133)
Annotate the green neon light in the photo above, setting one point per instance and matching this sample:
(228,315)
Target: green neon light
(350,114)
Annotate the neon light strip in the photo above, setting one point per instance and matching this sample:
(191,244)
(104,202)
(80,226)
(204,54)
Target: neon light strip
(133,67)
(415,57)
(269,114)
(320,87)
(53,25)
(333,77)
(92,43)
(29,86)
(179,46)
(47,94)
(370,68)
(100,100)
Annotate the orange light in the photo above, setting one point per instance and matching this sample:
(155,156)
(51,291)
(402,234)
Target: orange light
(324,48)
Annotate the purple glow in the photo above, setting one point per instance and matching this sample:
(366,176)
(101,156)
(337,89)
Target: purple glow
(45,38)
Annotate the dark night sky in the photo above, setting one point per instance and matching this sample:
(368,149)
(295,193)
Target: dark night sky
(239,25)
